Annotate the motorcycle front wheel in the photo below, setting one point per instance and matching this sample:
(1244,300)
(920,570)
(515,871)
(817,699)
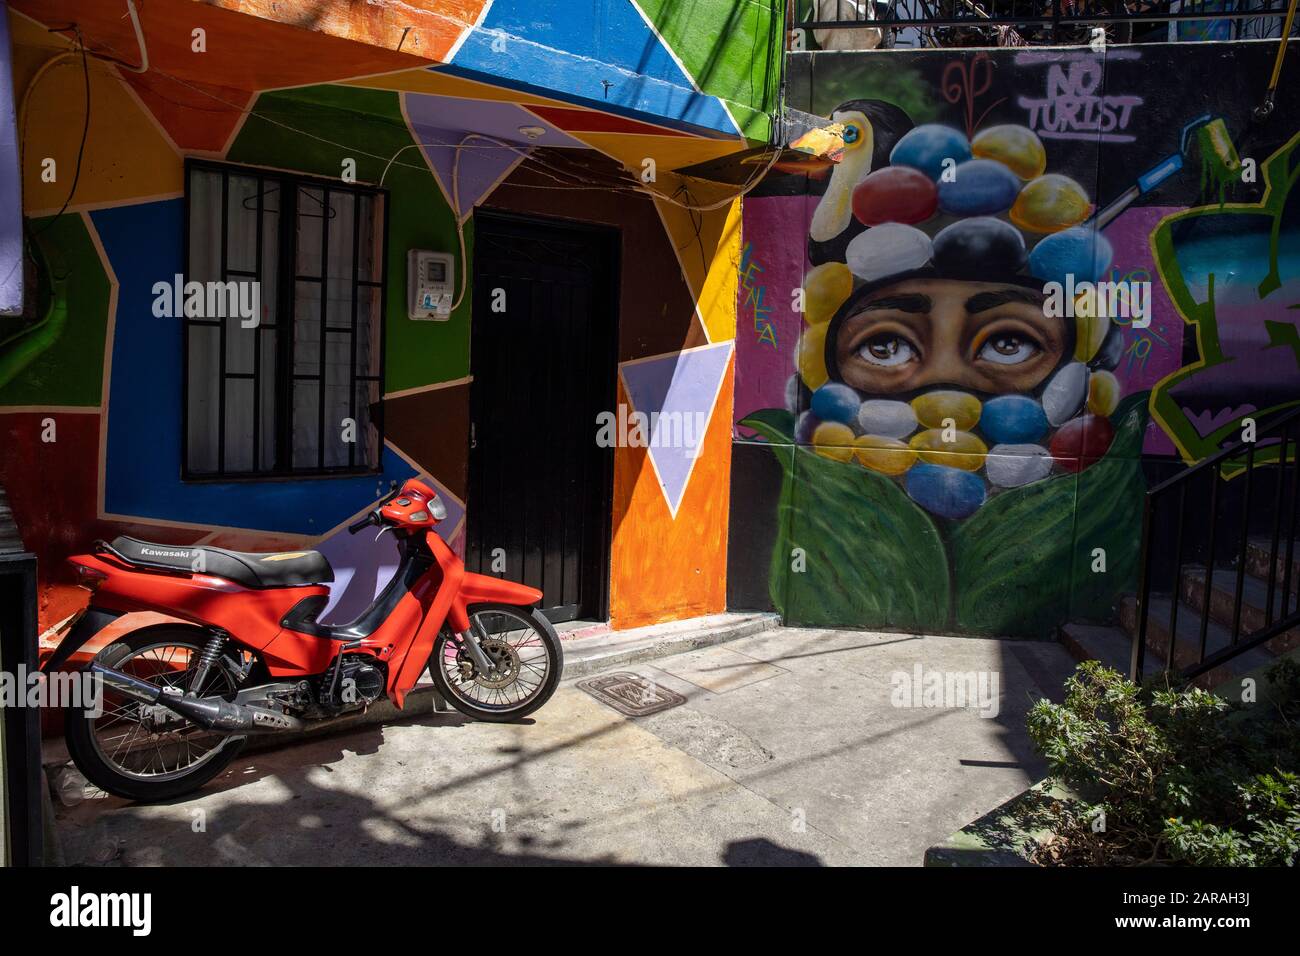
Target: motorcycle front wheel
(527,662)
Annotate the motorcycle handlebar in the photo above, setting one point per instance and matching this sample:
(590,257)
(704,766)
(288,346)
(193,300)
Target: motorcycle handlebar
(365,522)
(373,516)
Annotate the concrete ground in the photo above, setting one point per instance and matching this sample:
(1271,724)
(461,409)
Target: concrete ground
(788,750)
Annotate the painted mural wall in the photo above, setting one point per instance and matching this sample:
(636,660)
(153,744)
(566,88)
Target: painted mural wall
(942,416)
(91,396)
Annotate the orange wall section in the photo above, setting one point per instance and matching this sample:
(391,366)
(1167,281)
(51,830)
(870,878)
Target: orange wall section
(664,569)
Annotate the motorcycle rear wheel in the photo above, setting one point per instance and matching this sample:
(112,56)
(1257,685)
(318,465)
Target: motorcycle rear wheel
(122,764)
(527,651)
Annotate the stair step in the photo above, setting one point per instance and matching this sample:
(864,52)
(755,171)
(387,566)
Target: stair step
(1254,597)
(1109,645)
(1188,639)
(1258,551)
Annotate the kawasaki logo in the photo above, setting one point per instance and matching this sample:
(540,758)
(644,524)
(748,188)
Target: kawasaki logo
(153,552)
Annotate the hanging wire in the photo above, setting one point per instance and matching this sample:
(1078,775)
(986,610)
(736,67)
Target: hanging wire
(85,129)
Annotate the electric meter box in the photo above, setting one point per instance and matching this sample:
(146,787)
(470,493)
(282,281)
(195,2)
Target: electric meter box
(429,285)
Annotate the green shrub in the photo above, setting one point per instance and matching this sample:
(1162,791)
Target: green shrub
(1171,776)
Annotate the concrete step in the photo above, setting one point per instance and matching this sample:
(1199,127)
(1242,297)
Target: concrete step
(1109,645)
(1258,551)
(1188,639)
(602,651)
(1254,597)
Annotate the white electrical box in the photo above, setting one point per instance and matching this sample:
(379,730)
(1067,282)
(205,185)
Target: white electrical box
(430,285)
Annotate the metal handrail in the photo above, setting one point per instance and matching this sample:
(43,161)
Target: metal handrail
(987,14)
(1222,455)
(1285,428)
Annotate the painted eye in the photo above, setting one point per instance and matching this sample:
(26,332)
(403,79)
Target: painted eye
(851,134)
(887,349)
(1008,349)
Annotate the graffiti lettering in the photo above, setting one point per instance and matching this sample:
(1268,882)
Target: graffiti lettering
(755,297)
(1073,107)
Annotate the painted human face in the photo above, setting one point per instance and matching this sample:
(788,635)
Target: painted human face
(979,336)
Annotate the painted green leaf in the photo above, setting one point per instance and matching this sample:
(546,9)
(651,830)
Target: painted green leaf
(1109,516)
(871,556)
(1015,561)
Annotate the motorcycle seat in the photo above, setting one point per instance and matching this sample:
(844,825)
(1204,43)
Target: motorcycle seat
(277,569)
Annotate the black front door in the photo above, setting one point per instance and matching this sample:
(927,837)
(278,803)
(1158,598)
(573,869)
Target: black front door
(544,363)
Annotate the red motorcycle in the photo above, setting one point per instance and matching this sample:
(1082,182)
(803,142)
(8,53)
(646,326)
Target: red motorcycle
(180,699)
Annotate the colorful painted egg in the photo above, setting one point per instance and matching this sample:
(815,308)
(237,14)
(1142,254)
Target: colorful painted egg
(895,194)
(833,440)
(804,427)
(1016,147)
(834,402)
(1080,442)
(978,187)
(887,250)
(1089,328)
(965,451)
(1103,393)
(810,356)
(1065,393)
(1010,466)
(926,147)
(825,287)
(947,492)
(1082,253)
(884,417)
(889,456)
(1013,420)
(977,248)
(1051,203)
(933,407)
(1112,349)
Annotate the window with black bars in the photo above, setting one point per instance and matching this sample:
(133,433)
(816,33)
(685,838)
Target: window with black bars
(283,306)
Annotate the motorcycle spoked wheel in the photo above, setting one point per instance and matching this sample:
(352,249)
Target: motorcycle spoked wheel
(128,756)
(524,646)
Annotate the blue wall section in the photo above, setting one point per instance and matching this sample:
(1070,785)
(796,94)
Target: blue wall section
(143,245)
(569,49)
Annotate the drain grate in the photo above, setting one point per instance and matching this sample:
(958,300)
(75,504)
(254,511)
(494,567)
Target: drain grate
(631,694)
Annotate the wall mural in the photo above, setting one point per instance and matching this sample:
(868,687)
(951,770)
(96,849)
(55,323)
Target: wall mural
(968,330)
(92,392)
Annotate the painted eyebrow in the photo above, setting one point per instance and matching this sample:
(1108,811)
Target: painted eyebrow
(912,302)
(983,301)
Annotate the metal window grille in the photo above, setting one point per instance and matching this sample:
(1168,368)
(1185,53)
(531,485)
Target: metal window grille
(283,306)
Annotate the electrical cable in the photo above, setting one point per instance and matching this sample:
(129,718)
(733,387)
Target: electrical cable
(625,184)
(85,130)
(139,39)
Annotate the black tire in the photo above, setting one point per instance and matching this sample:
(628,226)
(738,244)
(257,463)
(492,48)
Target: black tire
(502,714)
(79,730)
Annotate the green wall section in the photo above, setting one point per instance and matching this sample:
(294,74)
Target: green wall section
(735,57)
(61,361)
(313,130)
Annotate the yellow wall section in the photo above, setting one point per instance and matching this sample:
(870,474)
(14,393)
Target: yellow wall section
(444,84)
(126,155)
(714,291)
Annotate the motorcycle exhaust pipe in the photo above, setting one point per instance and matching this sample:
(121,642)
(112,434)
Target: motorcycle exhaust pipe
(210,712)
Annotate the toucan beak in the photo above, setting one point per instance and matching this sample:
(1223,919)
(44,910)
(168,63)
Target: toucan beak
(826,143)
